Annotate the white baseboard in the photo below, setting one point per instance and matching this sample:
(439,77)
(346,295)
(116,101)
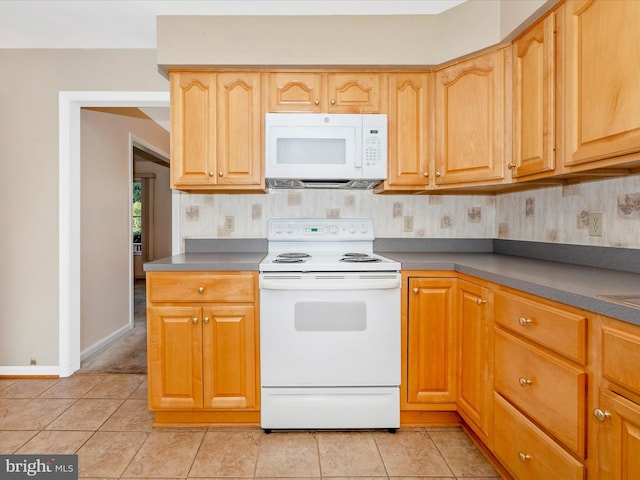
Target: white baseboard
(30,371)
(104,342)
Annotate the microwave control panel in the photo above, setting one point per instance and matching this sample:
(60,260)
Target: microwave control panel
(374,148)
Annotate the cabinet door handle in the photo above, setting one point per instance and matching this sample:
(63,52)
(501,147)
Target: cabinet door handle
(524,382)
(206,319)
(415,290)
(316,101)
(438,174)
(480,301)
(211,174)
(601,415)
(524,457)
(425,174)
(524,321)
(194,320)
(200,289)
(220,173)
(333,101)
(512,165)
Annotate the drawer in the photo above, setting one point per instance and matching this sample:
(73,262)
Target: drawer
(527,451)
(189,287)
(550,391)
(559,330)
(621,356)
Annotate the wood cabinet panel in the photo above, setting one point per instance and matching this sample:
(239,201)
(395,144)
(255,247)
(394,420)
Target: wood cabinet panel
(551,392)
(528,452)
(475,362)
(601,77)
(621,357)
(229,341)
(408,130)
(296,92)
(357,92)
(174,350)
(534,100)
(470,123)
(431,349)
(193,128)
(618,438)
(554,327)
(188,287)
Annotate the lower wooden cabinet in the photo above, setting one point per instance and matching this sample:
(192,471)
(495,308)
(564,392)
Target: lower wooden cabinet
(202,356)
(526,451)
(475,359)
(431,343)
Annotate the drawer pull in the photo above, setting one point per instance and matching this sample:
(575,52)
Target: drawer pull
(524,457)
(524,321)
(480,301)
(524,382)
(194,320)
(200,289)
(415,290)
(601,415)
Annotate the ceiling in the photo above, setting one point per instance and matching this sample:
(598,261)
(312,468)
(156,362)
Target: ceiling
(132,23)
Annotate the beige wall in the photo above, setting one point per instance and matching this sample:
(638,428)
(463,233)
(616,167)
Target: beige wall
(29,86)
(403,40)
(105,191)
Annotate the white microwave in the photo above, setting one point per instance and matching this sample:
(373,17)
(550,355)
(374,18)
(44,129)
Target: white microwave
(318,150)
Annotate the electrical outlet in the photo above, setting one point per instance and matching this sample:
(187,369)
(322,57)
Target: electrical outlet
(595,224)
(407,224)
(230,223)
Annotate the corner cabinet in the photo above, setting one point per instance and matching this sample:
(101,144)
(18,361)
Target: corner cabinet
(216,131)
(601,72)
(202,346)
(472,127)
(475,361)
(317,92)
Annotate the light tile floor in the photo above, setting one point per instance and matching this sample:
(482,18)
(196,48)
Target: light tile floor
(104,419)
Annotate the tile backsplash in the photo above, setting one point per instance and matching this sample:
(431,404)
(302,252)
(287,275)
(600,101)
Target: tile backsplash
(552,214)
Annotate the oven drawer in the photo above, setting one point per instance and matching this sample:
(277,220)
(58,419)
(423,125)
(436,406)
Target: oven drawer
(190,287)
(550,391)
(527,451)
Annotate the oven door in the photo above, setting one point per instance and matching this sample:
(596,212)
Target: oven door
(337,329)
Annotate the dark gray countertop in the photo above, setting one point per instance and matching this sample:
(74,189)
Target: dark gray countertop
(575,285)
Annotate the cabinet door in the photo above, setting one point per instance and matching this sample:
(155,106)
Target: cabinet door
(618,432)
(470,120)
(408,130)
(354,92)
(475,365)
(174,344)
(431,348)
(602,72)
(239,137)
(296,92)
(230,360)
(193,128)
(534,96)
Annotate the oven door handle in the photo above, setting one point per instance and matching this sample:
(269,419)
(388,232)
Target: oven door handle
(329,284)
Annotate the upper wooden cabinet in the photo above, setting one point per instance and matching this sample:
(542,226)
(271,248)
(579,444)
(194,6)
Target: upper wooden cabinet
(533,100)
(344,92)
(216,131)
(471,128)
(408,159)
(601,74)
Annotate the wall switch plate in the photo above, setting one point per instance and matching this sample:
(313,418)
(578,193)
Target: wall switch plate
(595,224)
(407,224)
(230,223)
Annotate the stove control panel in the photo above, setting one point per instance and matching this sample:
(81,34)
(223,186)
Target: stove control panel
(322,229)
